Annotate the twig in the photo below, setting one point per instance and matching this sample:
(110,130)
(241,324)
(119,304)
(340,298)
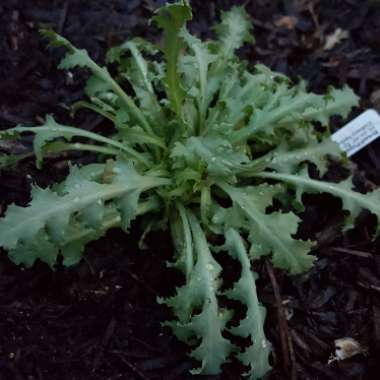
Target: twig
(62,19)
(293,373)
(142,283)
(120,375)
(369,286)
(353,252)
(133,368)
(316,21)
(376,320)
(106,338)
(300,342)
(288,356)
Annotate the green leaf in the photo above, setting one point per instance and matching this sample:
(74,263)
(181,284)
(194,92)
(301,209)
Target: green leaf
(352,201)
(268,233)
(171,18)
(53,213)
(255,356)
(42,248)
(239,95)
(140,73)
(51,130)
(95,86)
(337,102)
(76,57)
(234,29)
(199,292)
(216,152)
(284,159)
(137,68)
(201,61)
(102,109)
(10,161)
(243,95)
(182,239)
(137,136)
(288,106)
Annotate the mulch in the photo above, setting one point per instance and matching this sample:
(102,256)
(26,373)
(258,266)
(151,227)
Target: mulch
(99,320)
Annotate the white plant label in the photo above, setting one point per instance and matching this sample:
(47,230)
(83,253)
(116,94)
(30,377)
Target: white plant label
(359,132)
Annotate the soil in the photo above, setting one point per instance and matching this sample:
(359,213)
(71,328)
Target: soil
(99,320)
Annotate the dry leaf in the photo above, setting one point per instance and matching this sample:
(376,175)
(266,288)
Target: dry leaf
(346,348)
(335,38)
(287,22)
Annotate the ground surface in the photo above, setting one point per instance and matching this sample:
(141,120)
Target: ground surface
(99,320)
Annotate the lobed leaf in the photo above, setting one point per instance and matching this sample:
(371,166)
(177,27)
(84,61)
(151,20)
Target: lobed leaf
(171,19)
(215,152)
(199,292)
(51,130)
(76,57)
(140,73)
(51,215)
(354,202)
(268,233)
(288,106)
(255,356)
(233,30)
(284,159)
(10,161)
(196,71)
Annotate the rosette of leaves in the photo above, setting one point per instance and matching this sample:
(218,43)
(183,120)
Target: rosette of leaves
(201,145)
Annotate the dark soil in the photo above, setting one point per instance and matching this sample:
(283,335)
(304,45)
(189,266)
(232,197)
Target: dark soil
(99,320)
